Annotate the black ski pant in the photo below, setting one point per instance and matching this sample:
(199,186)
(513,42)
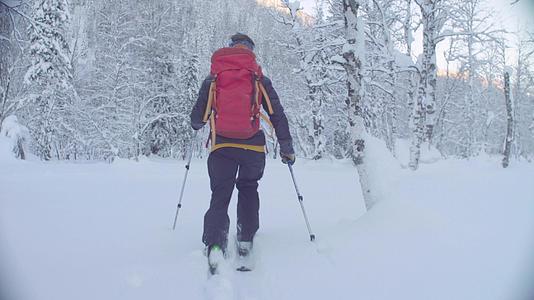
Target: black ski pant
(229,167)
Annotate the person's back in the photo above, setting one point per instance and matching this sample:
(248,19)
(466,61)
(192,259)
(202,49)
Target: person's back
(231,99)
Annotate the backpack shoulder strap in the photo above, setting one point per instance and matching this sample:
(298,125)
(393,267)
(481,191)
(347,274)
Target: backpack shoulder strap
(266,97)
(212,97)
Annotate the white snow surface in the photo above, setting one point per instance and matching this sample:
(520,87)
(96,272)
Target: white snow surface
(451,230)
(6,150)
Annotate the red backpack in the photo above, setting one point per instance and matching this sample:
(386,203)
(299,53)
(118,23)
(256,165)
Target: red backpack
(235,94)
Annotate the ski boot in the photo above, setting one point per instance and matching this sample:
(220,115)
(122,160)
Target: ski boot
(215,258)
(244,256)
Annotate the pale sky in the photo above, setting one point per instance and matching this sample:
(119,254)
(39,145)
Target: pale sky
(308,5)
(511,16)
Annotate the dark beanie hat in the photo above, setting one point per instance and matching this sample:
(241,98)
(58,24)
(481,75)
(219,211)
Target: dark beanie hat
(243,39)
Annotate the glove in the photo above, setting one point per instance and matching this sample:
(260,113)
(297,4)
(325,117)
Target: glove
(288,158)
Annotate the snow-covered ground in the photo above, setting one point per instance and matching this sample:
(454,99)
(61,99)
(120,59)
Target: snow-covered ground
(452,230)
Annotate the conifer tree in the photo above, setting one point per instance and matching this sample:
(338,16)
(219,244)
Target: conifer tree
(50,75)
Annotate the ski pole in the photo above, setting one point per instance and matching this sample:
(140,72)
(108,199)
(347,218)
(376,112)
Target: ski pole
(301,201)
(185,179)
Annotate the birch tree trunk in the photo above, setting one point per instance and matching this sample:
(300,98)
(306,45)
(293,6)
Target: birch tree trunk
(521,57)
(430,32)
(352,51)
(510,121)
(469,97)
(423,115)
(392,108)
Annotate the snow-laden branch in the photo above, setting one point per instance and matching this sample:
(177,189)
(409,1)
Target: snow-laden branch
(134,40)
(10,4)
(490,34)
(28,18)
(380,87)
(5,38)
(280,19)
(157,118)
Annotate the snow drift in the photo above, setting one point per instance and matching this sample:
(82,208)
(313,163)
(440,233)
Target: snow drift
(452,230)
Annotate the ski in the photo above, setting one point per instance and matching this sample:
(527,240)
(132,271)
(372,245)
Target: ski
(243,269)
(244,263)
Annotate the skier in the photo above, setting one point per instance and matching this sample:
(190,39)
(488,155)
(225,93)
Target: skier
(231,98)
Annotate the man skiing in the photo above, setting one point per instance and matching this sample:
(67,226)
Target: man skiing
(230,99)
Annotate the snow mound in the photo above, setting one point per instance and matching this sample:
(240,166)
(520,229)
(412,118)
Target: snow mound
(429,153)
(6,149)
(382,166)
(12,139)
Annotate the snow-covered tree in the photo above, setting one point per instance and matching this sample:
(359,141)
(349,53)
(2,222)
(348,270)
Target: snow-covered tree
(160,84)
(311,46)
(190,79)
(522,99)
(433,17)
(385,67)
(12,57)
(50,75)
(510,121)
(5,54)
(353,50)
(472,32)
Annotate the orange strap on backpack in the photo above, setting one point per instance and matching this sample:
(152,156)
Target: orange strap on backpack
(267,99)
(211,98)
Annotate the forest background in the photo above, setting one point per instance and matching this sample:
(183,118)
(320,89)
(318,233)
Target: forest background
(98,80)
